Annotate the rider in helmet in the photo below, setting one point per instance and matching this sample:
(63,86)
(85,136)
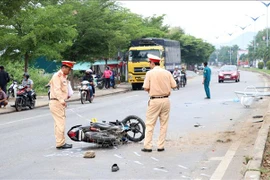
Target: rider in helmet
(183,71)
(29,84)
(88,77)
(176,72)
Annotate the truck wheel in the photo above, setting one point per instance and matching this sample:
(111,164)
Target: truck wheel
(134,87)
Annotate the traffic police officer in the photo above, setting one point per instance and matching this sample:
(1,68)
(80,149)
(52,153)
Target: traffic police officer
(58,97)
(206,80)
(158,83)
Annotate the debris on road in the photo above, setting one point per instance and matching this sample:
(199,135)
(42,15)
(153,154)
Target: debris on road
(197,125)
(115,168)
(226,141)
(258,116)
(89,154)
(258,121)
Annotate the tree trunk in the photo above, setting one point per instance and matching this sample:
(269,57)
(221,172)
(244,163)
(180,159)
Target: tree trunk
(26,59)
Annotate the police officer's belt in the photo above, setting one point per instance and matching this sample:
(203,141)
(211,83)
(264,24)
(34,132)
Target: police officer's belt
(156,97)
(55,99)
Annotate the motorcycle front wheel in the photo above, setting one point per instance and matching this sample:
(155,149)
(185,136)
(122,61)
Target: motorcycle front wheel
(18,104)
(83,97)
(32,105)
(136,126)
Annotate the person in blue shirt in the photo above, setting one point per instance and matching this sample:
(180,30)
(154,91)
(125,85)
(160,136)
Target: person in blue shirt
(206,79)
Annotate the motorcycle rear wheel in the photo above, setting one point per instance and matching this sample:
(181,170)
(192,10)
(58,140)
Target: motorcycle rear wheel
(18,104)
(137,127)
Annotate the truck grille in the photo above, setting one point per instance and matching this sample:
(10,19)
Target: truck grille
(141,69)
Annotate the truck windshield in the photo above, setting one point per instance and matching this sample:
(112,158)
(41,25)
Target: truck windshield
(141,55)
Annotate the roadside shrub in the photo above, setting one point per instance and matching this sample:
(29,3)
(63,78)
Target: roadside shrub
(16,70)
(260,65)
(268,64)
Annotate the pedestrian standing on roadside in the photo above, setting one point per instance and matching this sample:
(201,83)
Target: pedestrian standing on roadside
(3,98)
(58,97)
(206,80)
(158,83)
(107,75)
(4,79)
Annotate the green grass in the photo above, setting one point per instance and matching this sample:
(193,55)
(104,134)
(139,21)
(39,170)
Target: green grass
(267,71)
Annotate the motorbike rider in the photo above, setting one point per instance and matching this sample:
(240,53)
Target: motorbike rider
(183,71)
(89,77)
(177,73)
(29,84)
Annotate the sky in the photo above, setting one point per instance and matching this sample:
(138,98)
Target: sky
(211,21)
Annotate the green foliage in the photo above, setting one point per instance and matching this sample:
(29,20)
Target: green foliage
(260,65)
(83,30)
(16,70)
(78,74)
(268,64)
(224,54)
(36,32)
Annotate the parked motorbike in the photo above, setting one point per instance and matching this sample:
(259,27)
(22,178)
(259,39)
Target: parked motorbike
(177,81)
(12,90)
(85,92)
(131,128)
(100,82)
(22,99)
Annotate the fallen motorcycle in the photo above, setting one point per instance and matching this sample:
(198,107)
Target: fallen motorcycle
(131,128)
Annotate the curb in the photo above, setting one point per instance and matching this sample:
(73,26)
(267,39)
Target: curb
(254,165)
(72,100)
(253,170)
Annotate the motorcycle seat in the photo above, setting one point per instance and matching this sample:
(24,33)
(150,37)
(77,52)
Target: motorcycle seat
(104,126)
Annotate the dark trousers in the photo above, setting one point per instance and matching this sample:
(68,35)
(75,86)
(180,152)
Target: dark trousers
(4,88)
(107,82)
(93,88)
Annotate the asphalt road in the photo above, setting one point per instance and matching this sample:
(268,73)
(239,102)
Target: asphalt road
(217,149)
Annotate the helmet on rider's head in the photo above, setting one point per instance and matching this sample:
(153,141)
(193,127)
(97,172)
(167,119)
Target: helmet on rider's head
(26,75)
(89,71)
(176,67)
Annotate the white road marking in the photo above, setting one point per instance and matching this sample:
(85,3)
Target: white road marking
(158,169)
(155,159)
(205,175)
(137,154)
(118,156)
(182,167)
(138,162)
(186,177)
(25,119)
(223,165)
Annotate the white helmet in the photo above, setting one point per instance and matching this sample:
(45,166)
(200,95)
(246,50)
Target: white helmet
(89,71)
(176,67)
